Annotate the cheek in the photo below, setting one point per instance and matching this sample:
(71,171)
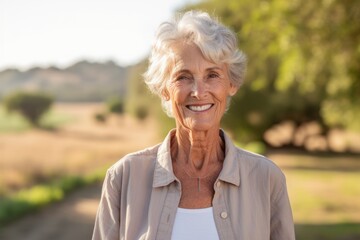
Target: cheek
(221,93)
(175,95)
(176,100)
(178,93)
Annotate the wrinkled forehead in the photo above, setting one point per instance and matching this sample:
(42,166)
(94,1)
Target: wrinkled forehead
(188,56)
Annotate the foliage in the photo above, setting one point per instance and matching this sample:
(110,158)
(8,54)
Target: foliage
(141,113)
(16,123)
(303,62)
(100,117)
(28,200)
(32,106)
(137,94)
(255,147)
(139,99)
(115,105)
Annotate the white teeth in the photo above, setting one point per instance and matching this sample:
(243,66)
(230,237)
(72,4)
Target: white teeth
(200,108)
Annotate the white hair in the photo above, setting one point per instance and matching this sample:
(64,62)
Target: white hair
(217,43)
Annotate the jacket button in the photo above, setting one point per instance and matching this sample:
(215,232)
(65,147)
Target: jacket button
(224,215)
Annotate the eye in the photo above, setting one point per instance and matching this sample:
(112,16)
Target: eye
(213,75)
(182,77)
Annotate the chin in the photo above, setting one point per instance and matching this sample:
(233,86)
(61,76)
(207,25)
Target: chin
(203,126)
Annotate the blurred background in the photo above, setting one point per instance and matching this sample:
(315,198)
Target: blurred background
(72,102)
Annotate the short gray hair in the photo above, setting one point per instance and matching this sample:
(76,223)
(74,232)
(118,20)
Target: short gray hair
(217,43)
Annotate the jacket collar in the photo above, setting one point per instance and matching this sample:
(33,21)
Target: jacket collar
(231,168)
(164,174)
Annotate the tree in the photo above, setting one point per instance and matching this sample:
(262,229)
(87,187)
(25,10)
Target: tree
(141,112)
(115,105)
(31,105)
(304,63)
(141,103)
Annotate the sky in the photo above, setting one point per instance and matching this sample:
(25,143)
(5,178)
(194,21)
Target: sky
(61,32)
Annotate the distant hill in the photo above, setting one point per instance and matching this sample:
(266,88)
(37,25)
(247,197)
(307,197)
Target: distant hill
(83,81)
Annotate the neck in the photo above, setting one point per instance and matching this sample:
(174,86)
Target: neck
(198,151)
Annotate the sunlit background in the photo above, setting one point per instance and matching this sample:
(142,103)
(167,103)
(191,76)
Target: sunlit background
(44,33)
(79,65)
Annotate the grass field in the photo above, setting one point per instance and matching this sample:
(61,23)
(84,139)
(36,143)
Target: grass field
(13,122)
(324,189)
(78,146)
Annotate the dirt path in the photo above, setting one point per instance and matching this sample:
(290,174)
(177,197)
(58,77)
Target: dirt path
(70,219)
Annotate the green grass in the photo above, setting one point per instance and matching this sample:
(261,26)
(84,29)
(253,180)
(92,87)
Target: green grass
(54,119)
(339,231)
(14,122)
(325,195)
(29,200)
(256,147)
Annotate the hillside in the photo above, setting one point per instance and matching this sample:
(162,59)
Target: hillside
(83,81)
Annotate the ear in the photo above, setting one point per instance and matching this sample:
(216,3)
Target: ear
(233,90)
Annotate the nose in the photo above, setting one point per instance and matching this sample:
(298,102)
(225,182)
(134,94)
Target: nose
(199,89)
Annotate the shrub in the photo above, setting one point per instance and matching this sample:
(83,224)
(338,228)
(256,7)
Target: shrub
(100,117)
(141,112)
(115,105)
(28,200)
(31,105)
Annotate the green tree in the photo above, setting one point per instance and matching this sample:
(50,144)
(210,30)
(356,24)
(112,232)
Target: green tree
(115,105)
(303,62)
(137,93)
(140,103)
(142,113)
(100,117)
(30,105)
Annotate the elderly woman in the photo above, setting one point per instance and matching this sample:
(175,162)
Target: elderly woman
(196,184)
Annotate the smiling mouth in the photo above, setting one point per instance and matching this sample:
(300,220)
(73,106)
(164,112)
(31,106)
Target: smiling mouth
(199,108)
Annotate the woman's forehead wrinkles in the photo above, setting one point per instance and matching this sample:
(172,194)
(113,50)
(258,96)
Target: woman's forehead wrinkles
(178,66)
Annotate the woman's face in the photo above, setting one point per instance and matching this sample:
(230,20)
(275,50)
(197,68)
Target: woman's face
(198,89)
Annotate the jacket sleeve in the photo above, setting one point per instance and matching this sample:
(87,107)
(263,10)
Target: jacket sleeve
(107,223)
(281,225)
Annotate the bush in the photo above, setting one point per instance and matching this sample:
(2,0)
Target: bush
(141,113)
(100,117)
(115,105)
(31,105)
(28,200)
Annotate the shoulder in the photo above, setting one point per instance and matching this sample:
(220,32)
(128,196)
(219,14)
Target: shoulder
(136,160)
(251,166)
(259,165)
(263,171)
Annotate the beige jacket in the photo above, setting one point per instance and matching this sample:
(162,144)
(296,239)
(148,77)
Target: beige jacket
(141,194)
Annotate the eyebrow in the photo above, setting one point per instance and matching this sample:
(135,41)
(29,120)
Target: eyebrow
(207,70)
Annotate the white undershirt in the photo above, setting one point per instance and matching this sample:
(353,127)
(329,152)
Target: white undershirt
(194,224)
